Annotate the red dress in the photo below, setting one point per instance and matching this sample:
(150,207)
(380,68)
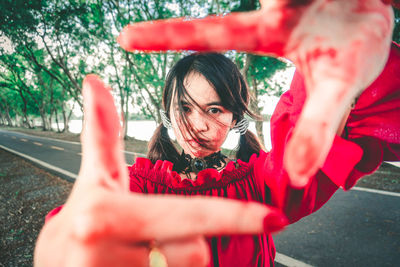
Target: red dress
(372,135)
(373,128)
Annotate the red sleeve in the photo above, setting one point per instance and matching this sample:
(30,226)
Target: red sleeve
(374,123)
(372,135)
(136,184)
(271,173)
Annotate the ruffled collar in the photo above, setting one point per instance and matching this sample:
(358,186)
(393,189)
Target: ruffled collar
(161,173)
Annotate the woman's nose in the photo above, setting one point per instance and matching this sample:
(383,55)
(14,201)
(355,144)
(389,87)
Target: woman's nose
(199,122)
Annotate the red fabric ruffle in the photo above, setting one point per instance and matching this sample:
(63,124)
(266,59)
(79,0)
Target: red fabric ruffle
(161,173)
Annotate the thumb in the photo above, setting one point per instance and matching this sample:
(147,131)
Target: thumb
(102,159)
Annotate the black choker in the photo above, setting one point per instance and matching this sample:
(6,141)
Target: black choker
(187,164)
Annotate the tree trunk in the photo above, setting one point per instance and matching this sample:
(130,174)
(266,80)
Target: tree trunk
(257,110)
(259,123)
(52,108)
(2,119)
(8,118)
(126,119)
(58,126)
(66,122)
(260,133)
(124,111)
(45,121)
(50,120)
(65,117)
(6,115)
(254,104)
(25,119)
(26,122)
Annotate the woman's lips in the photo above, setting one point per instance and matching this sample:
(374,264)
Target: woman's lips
(196,143)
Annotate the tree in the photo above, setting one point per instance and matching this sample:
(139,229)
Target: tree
(56,43)
(23,25)
(258,71)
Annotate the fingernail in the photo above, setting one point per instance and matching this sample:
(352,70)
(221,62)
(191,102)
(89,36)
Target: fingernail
(274,221)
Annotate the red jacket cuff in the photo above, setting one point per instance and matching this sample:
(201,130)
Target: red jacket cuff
(341,160)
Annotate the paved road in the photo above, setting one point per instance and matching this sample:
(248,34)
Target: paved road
(354,228)
(61,154)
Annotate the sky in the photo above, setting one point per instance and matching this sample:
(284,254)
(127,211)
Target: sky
(5,43)
(284,78)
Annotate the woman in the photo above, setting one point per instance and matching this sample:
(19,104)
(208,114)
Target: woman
(103,224)
(205,96)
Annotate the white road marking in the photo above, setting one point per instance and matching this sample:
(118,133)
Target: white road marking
(290,262)
(24,140)
(56,148)
(395,163)
(40,137)
(38,144)
(42,163)
(382,192)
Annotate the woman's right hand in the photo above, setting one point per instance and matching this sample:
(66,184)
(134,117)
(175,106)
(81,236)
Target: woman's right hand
(103,224)
(337,64)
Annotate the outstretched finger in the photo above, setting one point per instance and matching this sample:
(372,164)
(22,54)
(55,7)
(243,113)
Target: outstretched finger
(173,217)
(102,158)
(239,31)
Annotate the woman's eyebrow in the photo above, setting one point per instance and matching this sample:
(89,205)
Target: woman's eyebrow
(214,103)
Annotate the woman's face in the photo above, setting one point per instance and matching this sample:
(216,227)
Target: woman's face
(210,121)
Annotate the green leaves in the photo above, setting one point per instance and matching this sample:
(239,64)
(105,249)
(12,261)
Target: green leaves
(18,16)
(58,42)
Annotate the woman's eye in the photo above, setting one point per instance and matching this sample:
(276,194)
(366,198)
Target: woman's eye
(186,109)
(214,110)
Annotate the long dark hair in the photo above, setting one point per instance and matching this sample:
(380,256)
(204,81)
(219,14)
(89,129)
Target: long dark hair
(231,88)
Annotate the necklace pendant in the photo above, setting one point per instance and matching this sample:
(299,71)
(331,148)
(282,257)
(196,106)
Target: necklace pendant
(198,164)
(187,164)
